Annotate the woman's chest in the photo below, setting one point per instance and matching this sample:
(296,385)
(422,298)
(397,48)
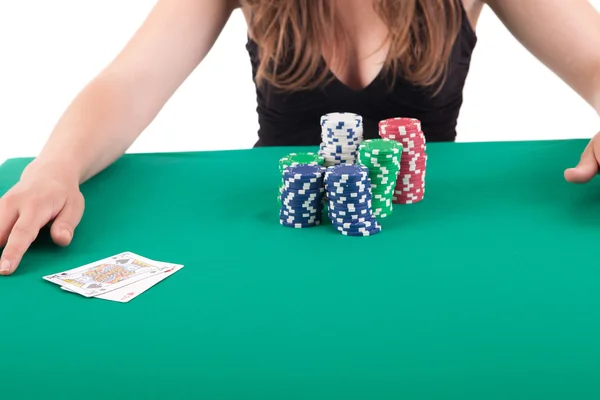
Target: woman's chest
(366,46)
(357,60)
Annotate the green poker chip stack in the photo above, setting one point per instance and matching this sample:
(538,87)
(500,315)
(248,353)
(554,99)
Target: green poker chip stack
(382,158)
(294,159)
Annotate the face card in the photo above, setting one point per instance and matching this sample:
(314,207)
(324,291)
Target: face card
(106,275)
(131,291)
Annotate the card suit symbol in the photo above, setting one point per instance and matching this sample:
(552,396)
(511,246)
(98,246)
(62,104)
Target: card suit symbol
(94,286)
(122,261)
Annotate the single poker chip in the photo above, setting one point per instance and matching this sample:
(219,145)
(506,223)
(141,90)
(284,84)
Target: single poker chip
(299,159)
(367,232)
(341,134)
(346,190)
(315,180)
(292,219)
(356,204)
(301,194)
(358,227)
(299,224)
(345,212)
(381,146)
(339,150)
(363,207)
(303,171)
(348,204)
(336,182)
(301,208)
(400,122)
(335,118)
(390,160)
(301,191)
(350,198)
(346,141)
(346,173)
(303,216)
(301,186)
(365,213)
(301,203)
(340,221)
(403,132)
(341,154)
(333,193)
(343,159)
(360,208)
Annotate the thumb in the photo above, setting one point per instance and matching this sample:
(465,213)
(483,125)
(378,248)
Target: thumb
(587,167)
(66,221)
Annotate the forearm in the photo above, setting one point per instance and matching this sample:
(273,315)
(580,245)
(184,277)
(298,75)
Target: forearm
(95,130)
(112,111)
(597,91)
(564,35)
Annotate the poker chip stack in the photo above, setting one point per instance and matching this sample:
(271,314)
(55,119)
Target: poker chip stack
(410,185)
(350,201)
(382,157)
(302,196)
(294,159)
(341,134)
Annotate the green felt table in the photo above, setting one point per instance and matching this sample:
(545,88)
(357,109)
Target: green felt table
(487,289)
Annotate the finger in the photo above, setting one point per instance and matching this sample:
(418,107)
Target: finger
(8,217)
(23,233)
(587,167)
(63,227)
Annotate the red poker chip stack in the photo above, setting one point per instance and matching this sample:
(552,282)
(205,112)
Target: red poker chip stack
(410,185)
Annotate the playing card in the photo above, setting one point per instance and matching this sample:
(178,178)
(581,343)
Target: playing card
(109,274)
(131,291)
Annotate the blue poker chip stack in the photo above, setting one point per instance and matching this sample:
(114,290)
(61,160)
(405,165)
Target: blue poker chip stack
(349,203)
(302,196)
(341,134)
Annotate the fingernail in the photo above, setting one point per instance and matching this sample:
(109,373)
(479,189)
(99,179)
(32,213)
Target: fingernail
(5,266)
(67,233)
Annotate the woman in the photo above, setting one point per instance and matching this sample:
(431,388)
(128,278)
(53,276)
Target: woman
(380,59)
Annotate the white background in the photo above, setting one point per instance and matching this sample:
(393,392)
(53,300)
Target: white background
(50,49)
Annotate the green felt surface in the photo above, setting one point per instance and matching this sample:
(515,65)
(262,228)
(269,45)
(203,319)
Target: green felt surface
(488,289)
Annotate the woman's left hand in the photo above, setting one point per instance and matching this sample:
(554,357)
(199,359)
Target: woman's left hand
(588,165)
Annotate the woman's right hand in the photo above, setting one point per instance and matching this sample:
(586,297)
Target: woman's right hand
(46,193)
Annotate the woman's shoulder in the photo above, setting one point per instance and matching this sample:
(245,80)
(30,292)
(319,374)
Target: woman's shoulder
(473,10)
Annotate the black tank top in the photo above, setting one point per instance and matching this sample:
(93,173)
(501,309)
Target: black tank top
(292,118)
